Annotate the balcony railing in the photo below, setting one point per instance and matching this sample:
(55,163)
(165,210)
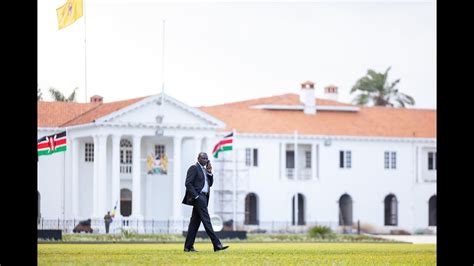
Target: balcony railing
(290,173)
(303,174)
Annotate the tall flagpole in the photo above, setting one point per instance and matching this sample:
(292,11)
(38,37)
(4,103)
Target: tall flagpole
(64,180)
(234,181)
(85,52)
(163,66)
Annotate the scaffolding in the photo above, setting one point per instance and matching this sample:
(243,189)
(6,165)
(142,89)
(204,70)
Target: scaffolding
(224,188)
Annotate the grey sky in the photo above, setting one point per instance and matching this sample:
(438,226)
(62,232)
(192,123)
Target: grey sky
(230,51)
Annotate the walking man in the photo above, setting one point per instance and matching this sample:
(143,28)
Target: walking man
(199,179)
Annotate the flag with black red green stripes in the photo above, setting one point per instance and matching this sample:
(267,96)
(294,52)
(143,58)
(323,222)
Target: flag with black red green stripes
(48,145)
(224,145)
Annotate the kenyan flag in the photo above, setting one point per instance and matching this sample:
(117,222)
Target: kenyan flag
(223,145)
(50,144)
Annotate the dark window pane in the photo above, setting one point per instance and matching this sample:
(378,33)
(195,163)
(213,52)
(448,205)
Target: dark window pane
(255,157)
(290,159)
(430,161)
(341,159)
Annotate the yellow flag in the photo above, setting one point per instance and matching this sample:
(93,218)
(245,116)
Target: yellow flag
(69,12)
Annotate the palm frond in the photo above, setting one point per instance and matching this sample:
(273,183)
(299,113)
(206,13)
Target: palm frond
(57,95)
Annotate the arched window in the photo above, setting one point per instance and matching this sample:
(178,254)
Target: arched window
(345,210)
(432,211)
(251,216)
(125,202)
(391,210)
(298,205)
(39,207)
(125,156)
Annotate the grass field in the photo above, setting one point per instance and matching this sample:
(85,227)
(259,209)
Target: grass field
(239,254)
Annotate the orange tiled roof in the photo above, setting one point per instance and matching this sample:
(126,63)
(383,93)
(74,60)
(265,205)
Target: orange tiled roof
(60,114)
(369,121)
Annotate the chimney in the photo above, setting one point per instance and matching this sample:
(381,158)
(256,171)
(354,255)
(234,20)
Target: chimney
(307,97)
(96,99)
(331,92)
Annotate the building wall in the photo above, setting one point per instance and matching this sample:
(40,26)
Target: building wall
(367,182)
(51,184)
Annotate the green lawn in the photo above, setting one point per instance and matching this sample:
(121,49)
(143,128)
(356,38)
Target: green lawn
(239,254)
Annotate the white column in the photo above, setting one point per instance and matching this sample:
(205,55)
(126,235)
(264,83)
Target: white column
(178,180)
(136,179)
(75,178)
(283,160)
(419,163)
(318,159)
(95,180)
(313,161)
(103,207)
(116,173)
(296,156)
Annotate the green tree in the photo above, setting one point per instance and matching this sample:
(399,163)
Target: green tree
(375,88)
(59,96)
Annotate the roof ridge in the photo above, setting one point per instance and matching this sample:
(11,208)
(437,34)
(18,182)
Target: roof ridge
(88,111)
(250,100)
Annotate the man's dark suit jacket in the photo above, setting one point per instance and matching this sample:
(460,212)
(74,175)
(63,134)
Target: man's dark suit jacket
(195,183)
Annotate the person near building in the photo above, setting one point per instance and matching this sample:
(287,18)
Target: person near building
(199,180)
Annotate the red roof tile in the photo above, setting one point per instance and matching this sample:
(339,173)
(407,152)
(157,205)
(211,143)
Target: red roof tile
(60,114)
(369,121)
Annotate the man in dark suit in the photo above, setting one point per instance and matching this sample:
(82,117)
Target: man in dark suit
(199,179)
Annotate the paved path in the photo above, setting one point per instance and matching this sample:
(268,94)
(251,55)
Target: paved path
(414,239)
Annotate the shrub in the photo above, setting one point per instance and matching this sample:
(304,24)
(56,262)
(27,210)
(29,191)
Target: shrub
(366,228)
(399,232)
(319,231)
(423,231)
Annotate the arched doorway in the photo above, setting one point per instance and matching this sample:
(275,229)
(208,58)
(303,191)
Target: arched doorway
(298,205)
(345,210)
(391,210)
(251,215)
(432,211)
(125,202)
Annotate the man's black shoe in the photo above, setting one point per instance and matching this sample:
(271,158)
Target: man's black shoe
(190,250)
(220,247)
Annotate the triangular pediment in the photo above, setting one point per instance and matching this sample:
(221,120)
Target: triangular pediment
(151,111)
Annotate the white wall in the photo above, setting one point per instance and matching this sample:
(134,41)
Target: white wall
(50,185)
(367,182)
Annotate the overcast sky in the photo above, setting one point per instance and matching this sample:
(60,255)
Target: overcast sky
(230,51)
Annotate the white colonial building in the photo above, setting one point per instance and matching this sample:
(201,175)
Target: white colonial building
(299,161)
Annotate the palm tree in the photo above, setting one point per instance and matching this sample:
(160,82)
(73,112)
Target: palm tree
(59,96)
(375,88)
(40,95)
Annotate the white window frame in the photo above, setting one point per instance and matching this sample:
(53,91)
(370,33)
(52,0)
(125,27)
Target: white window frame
(393,160)
(308,161)
(390,160)
(126,156)
(250,158)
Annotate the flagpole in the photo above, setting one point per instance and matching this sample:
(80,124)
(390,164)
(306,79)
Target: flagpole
(64,181)
(234,181)
(163,64)
(85,52)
